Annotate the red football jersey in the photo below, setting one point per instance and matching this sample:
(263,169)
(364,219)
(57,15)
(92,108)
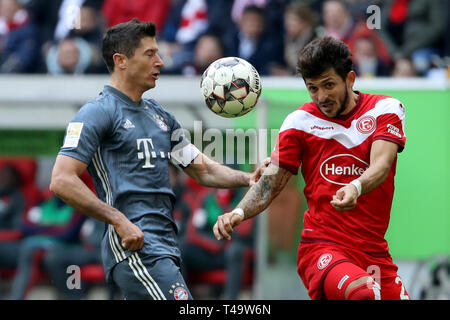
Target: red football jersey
(334,151)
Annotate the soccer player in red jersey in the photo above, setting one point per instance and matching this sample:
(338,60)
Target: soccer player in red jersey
(346,143)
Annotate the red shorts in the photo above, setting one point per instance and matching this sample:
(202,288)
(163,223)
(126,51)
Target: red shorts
(327,268)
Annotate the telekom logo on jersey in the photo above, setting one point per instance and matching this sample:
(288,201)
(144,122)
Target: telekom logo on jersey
(148,152)
(342,168)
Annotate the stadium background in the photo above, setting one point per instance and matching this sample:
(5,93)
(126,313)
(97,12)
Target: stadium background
(420,217)
(35,108)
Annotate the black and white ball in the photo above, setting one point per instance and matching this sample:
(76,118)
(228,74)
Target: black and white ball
(231,87)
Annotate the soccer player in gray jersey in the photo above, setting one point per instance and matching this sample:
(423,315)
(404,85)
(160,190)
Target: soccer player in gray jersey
(126,143)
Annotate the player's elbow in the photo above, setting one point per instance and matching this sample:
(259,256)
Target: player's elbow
(55,184)
(58,183)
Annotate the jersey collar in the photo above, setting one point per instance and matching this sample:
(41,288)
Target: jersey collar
(122,96)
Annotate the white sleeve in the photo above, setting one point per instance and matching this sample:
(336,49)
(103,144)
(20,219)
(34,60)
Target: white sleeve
(184,153)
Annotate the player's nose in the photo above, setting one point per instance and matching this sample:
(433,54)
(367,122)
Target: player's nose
(159,61)
(322,96)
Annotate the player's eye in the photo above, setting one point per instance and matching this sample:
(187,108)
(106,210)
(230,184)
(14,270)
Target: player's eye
(329,85)
(312,89)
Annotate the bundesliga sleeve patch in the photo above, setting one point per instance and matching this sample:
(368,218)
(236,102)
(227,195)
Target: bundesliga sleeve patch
(73,134)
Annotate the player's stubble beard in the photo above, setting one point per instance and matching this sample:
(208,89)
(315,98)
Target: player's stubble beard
(343,106)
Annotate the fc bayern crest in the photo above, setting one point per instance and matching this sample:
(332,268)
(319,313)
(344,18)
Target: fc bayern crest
(366,124)
(161,124)
(180,294)
(324,260)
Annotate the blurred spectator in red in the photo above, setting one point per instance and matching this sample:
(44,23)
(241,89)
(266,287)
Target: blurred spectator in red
(254,41)
(19,45)
(209,48)
(366,61)
(118,11)
(340,24)
(414,29)
(300,28)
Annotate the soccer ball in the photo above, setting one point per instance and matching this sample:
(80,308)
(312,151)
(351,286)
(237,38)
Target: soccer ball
(231,87)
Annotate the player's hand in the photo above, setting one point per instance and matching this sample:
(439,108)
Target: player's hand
(259,172)
(225,224)
(132,236)
(345,198)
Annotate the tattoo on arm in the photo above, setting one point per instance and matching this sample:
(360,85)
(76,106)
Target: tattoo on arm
(264,191)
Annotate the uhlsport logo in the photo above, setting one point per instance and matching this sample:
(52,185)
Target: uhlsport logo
(366,124)
(324,260)
(341,169)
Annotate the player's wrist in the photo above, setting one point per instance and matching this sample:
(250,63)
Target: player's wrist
(357,184)
(117,219)
(239,211)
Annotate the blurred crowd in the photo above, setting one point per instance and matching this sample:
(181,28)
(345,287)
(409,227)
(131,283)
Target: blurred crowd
(41,237)
(43,241)
(399,38)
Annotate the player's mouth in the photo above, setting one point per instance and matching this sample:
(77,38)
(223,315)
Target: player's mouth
(327,106)
(155,75)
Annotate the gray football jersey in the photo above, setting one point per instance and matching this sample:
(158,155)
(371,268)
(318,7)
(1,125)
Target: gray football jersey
(127,146)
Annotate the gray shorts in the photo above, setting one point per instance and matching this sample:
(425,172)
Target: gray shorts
(150,278)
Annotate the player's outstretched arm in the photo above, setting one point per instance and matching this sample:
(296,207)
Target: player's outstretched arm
(209,173)
(382,155)
(258,198)
(67,185)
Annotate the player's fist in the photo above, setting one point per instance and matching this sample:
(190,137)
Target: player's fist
(345,198)
(225,224)
(132,236)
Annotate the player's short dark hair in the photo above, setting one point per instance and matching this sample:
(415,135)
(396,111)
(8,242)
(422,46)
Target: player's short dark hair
(125,38)
(322,54)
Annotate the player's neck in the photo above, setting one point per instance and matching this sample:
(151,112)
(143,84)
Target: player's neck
(133,92)
(351,103)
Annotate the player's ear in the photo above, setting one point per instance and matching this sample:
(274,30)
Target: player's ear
(351,77)
(120,61)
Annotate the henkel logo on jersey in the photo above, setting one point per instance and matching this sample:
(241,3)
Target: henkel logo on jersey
(341,169)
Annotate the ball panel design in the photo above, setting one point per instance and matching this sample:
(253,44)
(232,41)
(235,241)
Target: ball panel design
(207,87)
(250,99)
(223,76)
(219,92)
(231,87)
(233,107)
